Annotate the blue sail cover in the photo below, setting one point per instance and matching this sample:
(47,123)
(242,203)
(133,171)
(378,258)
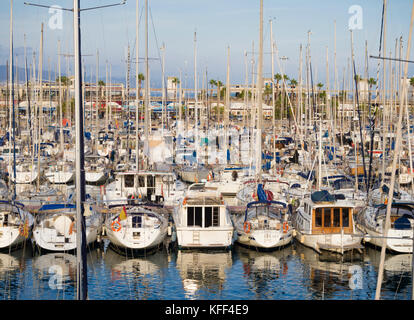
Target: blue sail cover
(322,196)
(261,194)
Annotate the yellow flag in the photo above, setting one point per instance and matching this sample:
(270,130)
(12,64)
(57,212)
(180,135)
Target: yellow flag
(123,214)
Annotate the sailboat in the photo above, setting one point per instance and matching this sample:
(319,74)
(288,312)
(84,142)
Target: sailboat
(136,227)
(371,221)
(56,228)
(15,222)
(265,223)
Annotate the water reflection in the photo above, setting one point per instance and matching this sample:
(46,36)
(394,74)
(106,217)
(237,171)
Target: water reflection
(136,278)
(56,273)
(397,273)
(12,267)
(328,275)
(203,271)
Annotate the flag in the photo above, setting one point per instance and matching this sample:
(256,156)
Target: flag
(123,214)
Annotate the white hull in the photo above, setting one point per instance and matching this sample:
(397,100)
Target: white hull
(193,237)
(399,240)
(337,243)
(60,177)
(95,177)
(48,239)
(149,238)
(265,239)
(10,237)
(142,229)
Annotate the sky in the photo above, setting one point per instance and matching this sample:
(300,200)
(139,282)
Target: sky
(219,25)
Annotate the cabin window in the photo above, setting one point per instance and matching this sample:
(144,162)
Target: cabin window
(337,217)
(141,181)
(194,216)
(150,181)
(208,217)
(198,216)
(190,216)
(318,217)
(345,217)
(327,217)
(129,181)
(216,216)
(136,222)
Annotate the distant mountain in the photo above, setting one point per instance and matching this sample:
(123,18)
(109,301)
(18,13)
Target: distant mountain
(20,75)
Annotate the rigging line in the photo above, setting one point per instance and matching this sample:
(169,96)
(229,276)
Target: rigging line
(135,40)
(360,125)
(155,36)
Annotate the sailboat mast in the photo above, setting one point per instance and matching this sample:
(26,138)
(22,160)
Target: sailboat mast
(226,112)
(40,107)
(13,124)
(137,87)
(60,99)
(260,99)
(79,159)
(147,93)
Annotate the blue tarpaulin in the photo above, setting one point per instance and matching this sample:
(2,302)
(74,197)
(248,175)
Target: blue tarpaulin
(261,194)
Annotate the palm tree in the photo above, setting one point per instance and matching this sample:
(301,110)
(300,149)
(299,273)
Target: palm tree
(267,93)
(277,77)
(293,83)
(141,78)
(176,82)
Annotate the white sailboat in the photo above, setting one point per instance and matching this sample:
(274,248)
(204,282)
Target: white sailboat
(15,224)
(55,228)
(136,227)
(265,224)
(371,221)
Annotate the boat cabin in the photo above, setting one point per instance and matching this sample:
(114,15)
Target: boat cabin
(154,186)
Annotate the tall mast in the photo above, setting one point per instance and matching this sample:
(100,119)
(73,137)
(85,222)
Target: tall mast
(12,98)
(97,100)
(60,100)
(272,46)
(260,99)
(195,93)
(226,112)
(147,93)
(79,161)
(394,163)
(40,108)
(136,86)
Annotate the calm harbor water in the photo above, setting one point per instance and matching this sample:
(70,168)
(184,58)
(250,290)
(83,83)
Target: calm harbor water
(294,272)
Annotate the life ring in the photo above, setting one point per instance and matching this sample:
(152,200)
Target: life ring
(285,227)
(247,226)
(115,229)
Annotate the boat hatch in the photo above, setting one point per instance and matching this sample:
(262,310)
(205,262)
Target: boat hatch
(332,220)
(136,235)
